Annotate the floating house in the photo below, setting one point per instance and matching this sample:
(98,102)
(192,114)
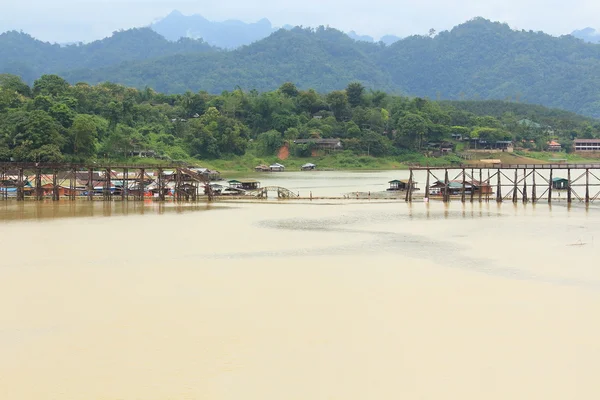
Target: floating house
(262,168)
(246,184)
(276,167)
(308,167)
(560,183)
(456,187)
(403,184)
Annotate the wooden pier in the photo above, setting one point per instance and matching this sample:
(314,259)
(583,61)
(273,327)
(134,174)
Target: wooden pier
(511,182)
(38,181)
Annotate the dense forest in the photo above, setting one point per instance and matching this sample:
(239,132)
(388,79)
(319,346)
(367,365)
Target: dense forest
(29,58)
(474,61)
(56,121)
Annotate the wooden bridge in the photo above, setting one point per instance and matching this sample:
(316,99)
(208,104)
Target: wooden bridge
(97,181)
(582,182)
(282,193)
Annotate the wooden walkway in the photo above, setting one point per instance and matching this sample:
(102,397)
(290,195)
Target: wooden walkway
(519,182)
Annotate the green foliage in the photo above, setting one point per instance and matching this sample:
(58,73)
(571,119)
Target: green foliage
(58,121)
(475,60)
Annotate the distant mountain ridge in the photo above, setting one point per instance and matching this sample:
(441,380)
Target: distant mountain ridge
(227,34)
(479,59)
(22,55)
(589,35)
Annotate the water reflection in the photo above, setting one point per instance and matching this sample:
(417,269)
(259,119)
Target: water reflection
(47,210)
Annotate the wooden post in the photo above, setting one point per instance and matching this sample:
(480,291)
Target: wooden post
(587,185)
(533,194)
(480,185)
(72,184)
(498,189)
(107,184)
(515,188)
(141,183)
(125,187)
(178,184)
(408,189)
(90,184)
(550,187)
(487,195)
(39,191)
(569,186)
(472,184)
(524,185)
(55,188)
(21,186)
(427,185)
(446,197)
(161,185)
(464,185)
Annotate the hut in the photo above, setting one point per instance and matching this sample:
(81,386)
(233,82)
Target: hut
(553,145)
(246,184)
(456,187)
(560,183)
(262,168)
(308,167)
(401,184)
(277,167)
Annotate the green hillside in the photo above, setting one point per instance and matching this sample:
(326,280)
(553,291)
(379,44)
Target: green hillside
(476,60)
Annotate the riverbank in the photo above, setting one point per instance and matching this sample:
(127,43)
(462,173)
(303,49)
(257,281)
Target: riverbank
(348,161)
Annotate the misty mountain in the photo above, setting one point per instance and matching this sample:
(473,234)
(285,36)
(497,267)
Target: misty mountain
(21,54)
(363,38)
(475,60)
(589,35)
(227,34)
(389,39)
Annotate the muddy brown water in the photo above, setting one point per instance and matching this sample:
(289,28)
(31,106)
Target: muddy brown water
(299,300)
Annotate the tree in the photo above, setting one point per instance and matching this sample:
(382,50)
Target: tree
(50,85)
(338,101)
(84,134)
(289,89)
(412,127)
(269,142)
(355,92)
(14,84)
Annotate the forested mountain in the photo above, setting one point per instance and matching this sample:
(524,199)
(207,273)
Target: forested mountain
(476,60)
(227,34)
(55,121)
(23,55)
(325,59)
(587,34)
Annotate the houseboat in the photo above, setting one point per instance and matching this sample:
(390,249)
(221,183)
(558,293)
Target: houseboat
(246,184)
(560,183)
(401,184)
(277,167)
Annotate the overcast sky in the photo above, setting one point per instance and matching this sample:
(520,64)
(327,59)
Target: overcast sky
(86,20)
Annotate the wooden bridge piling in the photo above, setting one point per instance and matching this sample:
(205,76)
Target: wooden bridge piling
(550,188)
(515,190)
(464,185)
(533,193)
(498,189)
(446,184)
(587,186)
(525,199)
(569,186)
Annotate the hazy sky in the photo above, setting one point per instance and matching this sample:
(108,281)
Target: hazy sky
(85,20)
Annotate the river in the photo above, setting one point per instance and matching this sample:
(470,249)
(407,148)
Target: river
(338,299)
